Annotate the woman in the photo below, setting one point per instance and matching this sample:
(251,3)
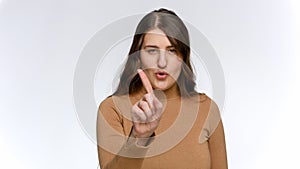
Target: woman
(155,118)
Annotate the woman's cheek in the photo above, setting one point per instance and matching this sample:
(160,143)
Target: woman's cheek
(148,63)
(177,70)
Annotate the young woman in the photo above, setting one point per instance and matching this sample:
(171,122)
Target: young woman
(155,118)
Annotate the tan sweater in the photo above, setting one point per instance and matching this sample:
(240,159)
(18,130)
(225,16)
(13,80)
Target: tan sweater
(189,136)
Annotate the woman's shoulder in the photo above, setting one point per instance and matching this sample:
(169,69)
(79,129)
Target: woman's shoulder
(106,104)
(206,100)
(108,100)
(203,97)
(116,102)
(202,100)
(211,101)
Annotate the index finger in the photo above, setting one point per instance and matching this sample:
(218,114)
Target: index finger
(145,81)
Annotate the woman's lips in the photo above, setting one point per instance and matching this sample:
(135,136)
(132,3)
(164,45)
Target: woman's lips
(161,75)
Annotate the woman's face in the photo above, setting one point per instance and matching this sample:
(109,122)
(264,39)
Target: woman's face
(160,60)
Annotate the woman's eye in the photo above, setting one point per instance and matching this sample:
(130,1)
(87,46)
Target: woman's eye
(152,51)
(172,51)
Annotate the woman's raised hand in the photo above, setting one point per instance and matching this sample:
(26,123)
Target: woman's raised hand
(146,113)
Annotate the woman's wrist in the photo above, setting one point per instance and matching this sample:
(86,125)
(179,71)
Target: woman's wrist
(136,135)
(142,140)
(145,141)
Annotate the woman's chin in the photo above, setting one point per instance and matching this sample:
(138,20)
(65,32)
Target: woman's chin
(161,86)
(158,87)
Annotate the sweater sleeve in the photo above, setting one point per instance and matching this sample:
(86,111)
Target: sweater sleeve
(115,149)
(216,141)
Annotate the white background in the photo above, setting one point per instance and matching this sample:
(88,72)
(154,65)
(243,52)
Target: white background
(40,41)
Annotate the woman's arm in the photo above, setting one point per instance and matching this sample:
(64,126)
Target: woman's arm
(113,145)
(217,148)
(115,149)
(216,140)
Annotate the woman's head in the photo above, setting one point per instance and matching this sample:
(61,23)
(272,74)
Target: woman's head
(160,44)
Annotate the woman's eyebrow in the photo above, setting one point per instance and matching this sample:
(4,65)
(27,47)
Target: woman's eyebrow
(151,46)
(154,46)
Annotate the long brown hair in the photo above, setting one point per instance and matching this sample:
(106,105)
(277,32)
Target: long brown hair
(177,33)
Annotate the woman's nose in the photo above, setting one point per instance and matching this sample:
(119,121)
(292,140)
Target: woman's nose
(162,59)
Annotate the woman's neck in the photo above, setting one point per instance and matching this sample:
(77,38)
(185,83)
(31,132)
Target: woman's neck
(172,92)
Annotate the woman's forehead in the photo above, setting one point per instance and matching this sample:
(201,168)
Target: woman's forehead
(156,38)
(156,31)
